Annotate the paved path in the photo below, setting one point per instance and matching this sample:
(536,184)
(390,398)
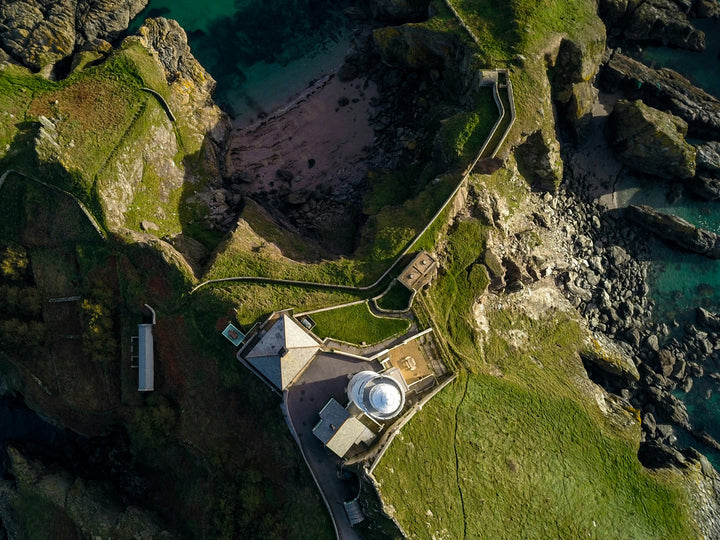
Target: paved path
(326,377)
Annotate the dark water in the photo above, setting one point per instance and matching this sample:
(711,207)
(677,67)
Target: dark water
(261,53)
(19,423)
(680,282)
(701,68)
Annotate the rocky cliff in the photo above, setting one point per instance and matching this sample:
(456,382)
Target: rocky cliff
(40,33)
(68,505)
(660,22)
(677,231)
(650,140)
(663,89)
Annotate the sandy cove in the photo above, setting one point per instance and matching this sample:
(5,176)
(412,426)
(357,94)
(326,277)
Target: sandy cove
(322,137)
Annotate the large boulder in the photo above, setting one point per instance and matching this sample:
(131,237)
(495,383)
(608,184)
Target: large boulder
(666,90)
(104,19)
(416,47)
(662,22)
(400,10)
(651,141)
(708,156)
(39,33)
(708,320)
(539,161)
(612,357)
(676,231)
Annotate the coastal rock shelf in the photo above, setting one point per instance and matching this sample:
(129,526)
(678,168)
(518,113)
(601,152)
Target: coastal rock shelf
(676,230)
(663,89)
(40,33)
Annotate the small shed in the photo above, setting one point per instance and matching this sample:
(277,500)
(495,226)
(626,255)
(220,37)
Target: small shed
(419,272)
(146,352)
(146,358)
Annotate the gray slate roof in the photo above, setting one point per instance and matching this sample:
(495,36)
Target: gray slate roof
(337,429)
(283,352)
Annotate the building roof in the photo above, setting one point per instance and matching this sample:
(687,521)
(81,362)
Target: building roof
(419,272)
(381,396)
(337,429)
(146,359)
(233,334)
(283,351)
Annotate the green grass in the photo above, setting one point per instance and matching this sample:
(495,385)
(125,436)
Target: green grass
(505,29)
(463,135)
(397,297)
(253,302)
(527,454)
(454,293)
(355,324)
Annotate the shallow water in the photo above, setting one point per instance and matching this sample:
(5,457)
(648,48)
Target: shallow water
(260,53)
(680,282)
(701,68)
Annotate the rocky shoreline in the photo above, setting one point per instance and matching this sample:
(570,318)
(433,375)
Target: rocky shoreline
(612,252)
(606,276)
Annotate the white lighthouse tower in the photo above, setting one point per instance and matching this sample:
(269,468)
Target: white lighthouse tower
(381,396)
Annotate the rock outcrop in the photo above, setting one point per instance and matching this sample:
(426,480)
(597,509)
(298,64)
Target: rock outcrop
(651,141)
(666,90)
(416,47)
(191,85)
(39,33)
(708,157)
(704,188)
(539,161)
(676,231)
(612,357)
(660,22)
(572,75)
(82,506)
(399,10)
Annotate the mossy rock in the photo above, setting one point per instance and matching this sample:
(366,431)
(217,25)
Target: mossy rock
(416,47)
(609,357)
(650,140)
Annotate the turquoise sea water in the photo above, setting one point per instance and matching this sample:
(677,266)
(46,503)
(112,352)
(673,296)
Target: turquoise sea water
(261,53)
(701,68)
(680,282)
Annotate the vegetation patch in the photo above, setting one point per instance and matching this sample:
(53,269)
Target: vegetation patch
(463,135)
(397,297)
(252,302)
(529,454)
(449,302)
(356,324)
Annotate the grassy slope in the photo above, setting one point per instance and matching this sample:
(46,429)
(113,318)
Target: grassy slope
(525,454)
(263,490)
(529,451)
(356,324)
(102,118)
